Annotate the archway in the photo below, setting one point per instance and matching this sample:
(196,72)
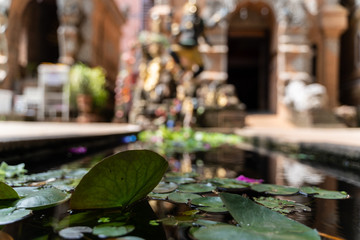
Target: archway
(249,42)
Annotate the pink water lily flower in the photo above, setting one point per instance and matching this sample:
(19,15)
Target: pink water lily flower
(249,180)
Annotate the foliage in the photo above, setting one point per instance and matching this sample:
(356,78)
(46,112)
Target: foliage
(88,81)
(7,171)
(167,140)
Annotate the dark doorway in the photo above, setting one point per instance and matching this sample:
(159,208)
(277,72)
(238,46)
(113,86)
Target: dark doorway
(249,41)
(41,22)
(248,62)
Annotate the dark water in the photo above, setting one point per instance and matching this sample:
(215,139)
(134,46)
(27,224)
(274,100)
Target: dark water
(337,218)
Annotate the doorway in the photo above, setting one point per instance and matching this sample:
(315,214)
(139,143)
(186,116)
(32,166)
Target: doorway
(249,56)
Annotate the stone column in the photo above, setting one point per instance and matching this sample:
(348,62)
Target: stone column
(333,21)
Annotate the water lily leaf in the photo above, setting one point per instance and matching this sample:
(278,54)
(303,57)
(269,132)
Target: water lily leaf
(158,196)
(180,180)
(325,194)
(180,197)
(164,187)
(74,232)
(228,183)
(282,206)
(196,188)
(183,220)
(210,204)
(119,180)
(7,192)
(274,189)
(112,230)
(10,215)
(181,175)
(25,191)
(44,198)
(263,223)
(220,231)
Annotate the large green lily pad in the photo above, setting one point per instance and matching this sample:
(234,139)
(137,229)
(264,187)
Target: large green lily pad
(325,194)
(180,197)
(10,215)
(7,192)
(164,187)
(196,188)
(274,189)
(282,206)
(210,204)
(43,198)
(259,222)
(119,180)
(112,229)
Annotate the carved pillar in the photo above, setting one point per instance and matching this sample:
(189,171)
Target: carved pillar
(333,21)
(68,31)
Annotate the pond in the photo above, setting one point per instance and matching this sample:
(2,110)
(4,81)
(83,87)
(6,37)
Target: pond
(334,219)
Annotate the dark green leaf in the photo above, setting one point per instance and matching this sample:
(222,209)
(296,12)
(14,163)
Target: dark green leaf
(274,189)
(7,192)
(44,198)
(196,188)
(112,230)
(282,206)
(262,223)
(119,180)
(10,215)
(325,194)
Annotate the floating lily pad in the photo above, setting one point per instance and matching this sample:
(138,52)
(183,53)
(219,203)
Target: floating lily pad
(74,232)
(44,198)
(181,175)
(210,204)
(183,220)
(7,192)
(259,222)
(325,194)
(180,197)
(180,180)
(158,196)
(10,215)
(164,187)
(119,180)
(274,189)
(221,231)
(196,188)
(25,191)
(112,230)
(282,206)
(229,183)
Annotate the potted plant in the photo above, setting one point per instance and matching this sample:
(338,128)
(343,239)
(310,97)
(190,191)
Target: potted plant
(88,94)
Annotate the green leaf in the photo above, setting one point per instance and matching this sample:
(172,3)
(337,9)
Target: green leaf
(158,196)
(164,187)
(7,192)
(119,180)
(43,198)
(281,206)
(179,197)
(196,188)
(112,230)
(325,194)
(274,189)
(262,223)
(74,232)
(180,180)
(220,231)
(10,215)
(210,204)
(229,183)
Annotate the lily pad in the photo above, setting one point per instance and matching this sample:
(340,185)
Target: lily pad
(7,192)
(274,189)
(112,230)
(259,222)
(10,215)
(196,188)
(119,180)
(282,206)
(227,183)
(164,187)
(180,180)
(74,232)
(325,194)
(181,175)
(210,204)
(25,191)
(220,231)
(44,198)
(180,197)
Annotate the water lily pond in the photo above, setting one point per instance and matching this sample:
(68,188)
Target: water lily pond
(197,188)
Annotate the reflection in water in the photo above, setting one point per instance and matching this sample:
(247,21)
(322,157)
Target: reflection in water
(339,218)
